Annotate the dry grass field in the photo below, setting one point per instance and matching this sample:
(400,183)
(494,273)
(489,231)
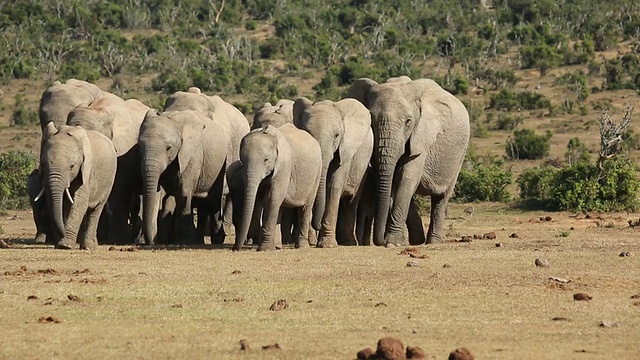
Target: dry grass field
(168,303)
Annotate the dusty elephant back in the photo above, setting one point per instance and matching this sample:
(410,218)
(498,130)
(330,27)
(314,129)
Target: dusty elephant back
(275,115)
(59,99)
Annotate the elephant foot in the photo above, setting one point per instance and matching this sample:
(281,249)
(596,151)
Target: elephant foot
(267,247)
(327,242)
(66,245)
(415,240)
(302,243)
(434,239)
(91,245)
(313,237)
(218,238)
(396,239)
(348,241)
(40,238)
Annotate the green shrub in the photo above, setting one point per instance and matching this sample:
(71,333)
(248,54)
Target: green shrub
(15,167)
(526,100)
(508,121)
(251,25)
(583,186)
(22,115)
(526,144)
(576,152)
(484,183)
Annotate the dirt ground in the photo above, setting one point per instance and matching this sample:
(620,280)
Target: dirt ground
(199,303)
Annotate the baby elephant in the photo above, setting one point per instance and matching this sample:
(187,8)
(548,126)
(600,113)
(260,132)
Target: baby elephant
(77,167)
(280,168)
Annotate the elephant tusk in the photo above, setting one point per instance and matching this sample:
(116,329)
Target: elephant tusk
(66,191)
(39,195)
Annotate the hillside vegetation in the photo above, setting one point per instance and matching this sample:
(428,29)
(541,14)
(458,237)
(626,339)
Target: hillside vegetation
(547,67)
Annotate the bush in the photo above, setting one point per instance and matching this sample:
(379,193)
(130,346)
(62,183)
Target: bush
(22,115)
(526,100)
(484,183)
(15,167)
(526,144)
(583,186)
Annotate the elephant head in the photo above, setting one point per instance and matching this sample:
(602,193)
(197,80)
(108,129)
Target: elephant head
(59,99)
(264,153)
(339,127)
(65,163)
(406,119)
(275,115)
(167,141)
(92,118)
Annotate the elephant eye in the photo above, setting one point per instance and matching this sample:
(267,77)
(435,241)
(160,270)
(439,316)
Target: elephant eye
(336,136)
(407,122)
(168,147)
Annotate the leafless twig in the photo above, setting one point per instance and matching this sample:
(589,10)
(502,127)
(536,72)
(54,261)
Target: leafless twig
(611,133)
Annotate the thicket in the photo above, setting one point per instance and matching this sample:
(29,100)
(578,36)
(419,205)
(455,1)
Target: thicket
(484,182)
(15,167)
(526,144)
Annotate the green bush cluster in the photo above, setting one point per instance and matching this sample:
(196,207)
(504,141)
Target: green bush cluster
(484,183)
(15,167)
(526,144)
(582,186)
(525,100)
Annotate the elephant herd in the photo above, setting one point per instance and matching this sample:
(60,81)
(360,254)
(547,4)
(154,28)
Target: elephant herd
(327,173)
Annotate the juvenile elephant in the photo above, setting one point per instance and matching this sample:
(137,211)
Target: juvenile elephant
(343,130)
(120,121)
(280,168)
(59,99)
(185,153)
(80,165)
(421,134)
(235,126)
(276,115)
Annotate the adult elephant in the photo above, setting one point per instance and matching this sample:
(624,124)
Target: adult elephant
(59,99)
(275,115)
(120,121)
(40,210)
(234,124)
(80,165)
(421,134)
(280,168)
(185,153)
(343,130)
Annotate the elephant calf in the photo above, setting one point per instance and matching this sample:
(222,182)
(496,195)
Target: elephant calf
(280,168)
(81,165)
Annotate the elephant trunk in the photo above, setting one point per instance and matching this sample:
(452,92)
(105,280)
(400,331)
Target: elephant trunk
(321,197)
(55,188)
(387,153)
(151,175)
(250,193)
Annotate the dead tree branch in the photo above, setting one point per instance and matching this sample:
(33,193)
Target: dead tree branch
(611,133)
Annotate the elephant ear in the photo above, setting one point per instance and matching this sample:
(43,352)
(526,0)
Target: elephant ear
(192,128)
(360,89)
(432,112)
(82,137)
(49,130)
(357,124)
(299,106)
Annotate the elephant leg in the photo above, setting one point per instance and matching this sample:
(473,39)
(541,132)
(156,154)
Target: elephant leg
(204,221)
(220,206)
(184,226)
(287,225)
(408,178)
(166,219)
(335,188)
(347,224)
(120,201)
(255,229)
(74,221)
(270,215)
(304,225)
(414,224)
(439,204)
(89,240)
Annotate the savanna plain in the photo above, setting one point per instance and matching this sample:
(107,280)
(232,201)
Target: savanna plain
(485,294)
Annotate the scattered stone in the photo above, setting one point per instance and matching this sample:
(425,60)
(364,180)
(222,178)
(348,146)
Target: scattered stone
(581,297)
(415,353)
(74,298)
(489,236)
(47,271)
(236,272)
(446,266)
(49,319)
(636,296)
(409,251)
(572,228)
(607,324)
(542,263)
(244,345)
(390,349)
(498,244)
(32,297)
(412,264)
(461,354)
(466,238)
(177,306)
(112,248)
(129,249)
(514,236)
(560,280)
(275,346)
(365,354)
(625,254)
(559,318)
(477,236)
(548,218)
(380,304)
(279,305)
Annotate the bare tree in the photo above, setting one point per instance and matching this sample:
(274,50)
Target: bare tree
(611,133)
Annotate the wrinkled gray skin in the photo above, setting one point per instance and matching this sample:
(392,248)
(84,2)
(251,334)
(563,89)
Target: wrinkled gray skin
(343,130)
(236,193)
(280,168)
(59,99)
(185,153)
(82,163)
(44,231)
(275,115)
(233,123)
(421,134)
(120,121)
